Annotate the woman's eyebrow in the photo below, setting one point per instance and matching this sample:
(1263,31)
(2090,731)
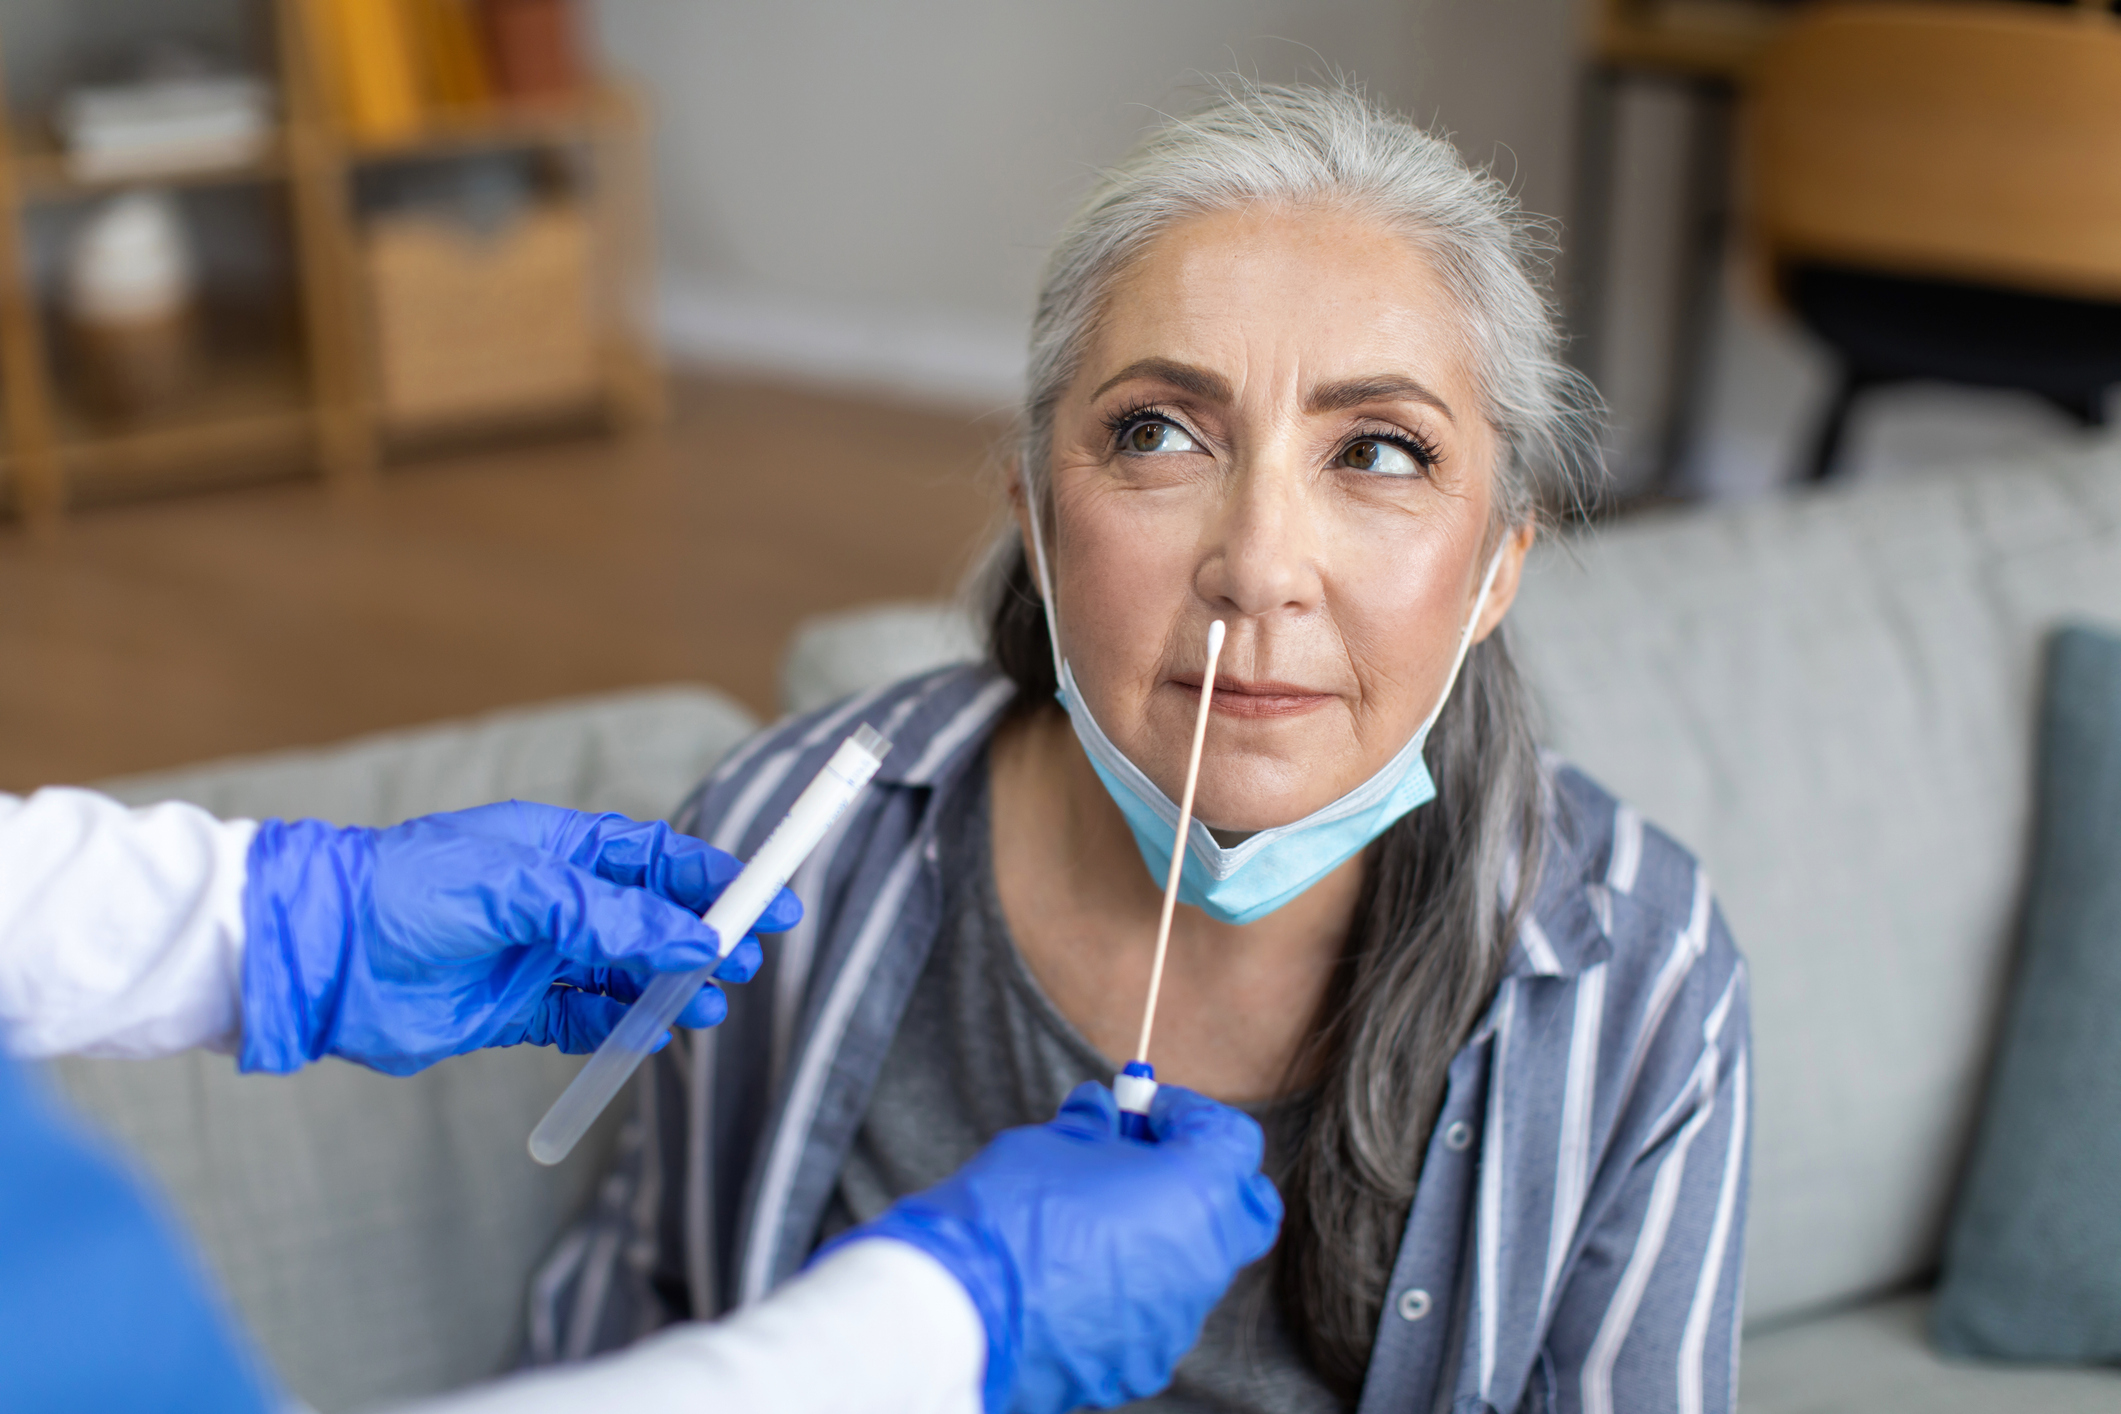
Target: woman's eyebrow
(1382,388)
(1210,387)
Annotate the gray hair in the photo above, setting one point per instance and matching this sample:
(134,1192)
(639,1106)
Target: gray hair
(1445,886)
(1331,147)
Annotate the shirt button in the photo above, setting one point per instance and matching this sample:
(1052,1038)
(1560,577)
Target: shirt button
(1413,1304)
(1457,1135)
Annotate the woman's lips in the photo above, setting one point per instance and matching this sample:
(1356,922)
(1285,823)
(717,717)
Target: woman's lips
(1256,699)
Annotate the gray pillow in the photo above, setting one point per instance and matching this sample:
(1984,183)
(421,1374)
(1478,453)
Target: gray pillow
(2032,1266)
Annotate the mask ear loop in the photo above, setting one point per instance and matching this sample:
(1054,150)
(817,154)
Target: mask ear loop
(1045,580)
(1465,637)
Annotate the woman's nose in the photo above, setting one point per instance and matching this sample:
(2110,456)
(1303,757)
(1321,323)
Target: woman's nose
(1262,555)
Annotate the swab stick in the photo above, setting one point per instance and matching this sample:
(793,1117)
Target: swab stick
(1135,1085)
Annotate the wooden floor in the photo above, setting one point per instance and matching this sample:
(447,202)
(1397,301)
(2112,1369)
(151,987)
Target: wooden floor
(160,633)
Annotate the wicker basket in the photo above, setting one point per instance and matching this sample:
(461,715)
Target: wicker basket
(469,328)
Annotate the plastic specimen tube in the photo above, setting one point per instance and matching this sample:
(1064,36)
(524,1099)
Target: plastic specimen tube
(731,916)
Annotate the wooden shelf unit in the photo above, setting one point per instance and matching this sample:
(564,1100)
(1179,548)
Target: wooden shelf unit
(311,405)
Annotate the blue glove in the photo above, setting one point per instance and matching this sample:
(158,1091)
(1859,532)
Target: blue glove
(1093,1260)
(490,927)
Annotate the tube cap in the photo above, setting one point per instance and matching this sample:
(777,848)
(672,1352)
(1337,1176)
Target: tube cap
(1135,1089)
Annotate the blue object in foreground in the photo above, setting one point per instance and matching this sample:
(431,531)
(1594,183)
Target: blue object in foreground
(1093,1260)
(101,1307)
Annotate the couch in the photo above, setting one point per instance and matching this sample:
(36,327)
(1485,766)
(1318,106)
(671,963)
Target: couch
(1829,697)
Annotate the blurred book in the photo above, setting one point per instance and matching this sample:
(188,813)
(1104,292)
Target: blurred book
(164,126)
(451,51)
(391,63)
(367,49)
(535,46)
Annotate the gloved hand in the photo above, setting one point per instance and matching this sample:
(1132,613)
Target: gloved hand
(487,927)
(1093,1259)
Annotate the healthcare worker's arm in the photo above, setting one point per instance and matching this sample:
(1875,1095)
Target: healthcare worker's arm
(1063,1266)
(141,932)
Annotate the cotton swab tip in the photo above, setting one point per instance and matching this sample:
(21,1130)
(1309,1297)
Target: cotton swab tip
(1215,639)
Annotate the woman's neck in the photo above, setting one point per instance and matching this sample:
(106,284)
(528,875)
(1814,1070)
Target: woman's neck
(1237,1002)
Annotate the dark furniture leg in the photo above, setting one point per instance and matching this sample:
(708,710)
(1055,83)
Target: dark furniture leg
(1707,217)
(1833,425)
(2089,408)
(1588,241)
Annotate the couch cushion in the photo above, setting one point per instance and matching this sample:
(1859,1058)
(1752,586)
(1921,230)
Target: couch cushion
(1830,698)
(633,752)
(837,655)
(2033,1266)
(1876,1360)
(377,1233)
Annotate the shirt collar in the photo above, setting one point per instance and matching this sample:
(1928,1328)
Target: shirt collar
(1566,931)
(937,729)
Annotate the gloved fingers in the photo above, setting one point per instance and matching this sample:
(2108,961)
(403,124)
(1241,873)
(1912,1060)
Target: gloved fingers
(1089,1112)
(743,962)
(591,921)
(708,1007)
(577,1022)
(642,854)
(1180,1116)
(1245,1207)
(648,854)
(1264,1201)
(615,846)
(651,855)
(452,895)
(624,980)
(783,913)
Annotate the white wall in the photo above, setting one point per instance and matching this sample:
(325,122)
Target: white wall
(863,191)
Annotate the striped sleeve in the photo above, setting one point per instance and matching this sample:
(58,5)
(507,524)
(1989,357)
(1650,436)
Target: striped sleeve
(1648,1317)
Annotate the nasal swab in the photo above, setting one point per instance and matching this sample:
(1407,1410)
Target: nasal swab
(1135,1085)
(731,916)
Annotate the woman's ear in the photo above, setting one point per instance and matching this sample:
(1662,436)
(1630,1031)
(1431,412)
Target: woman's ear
(1020,510)
(1508,575)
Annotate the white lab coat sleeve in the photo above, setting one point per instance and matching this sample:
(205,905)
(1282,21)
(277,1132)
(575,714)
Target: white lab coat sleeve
(877,1326)
(121,930)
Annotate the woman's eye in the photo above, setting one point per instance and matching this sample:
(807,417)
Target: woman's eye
(1152,435)
(1377,455)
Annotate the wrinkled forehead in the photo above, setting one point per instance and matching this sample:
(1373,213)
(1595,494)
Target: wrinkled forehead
(1280,300)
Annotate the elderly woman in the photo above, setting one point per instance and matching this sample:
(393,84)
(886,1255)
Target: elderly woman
(1290,369)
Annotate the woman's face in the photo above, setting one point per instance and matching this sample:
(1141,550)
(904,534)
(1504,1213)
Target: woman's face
(1275,425)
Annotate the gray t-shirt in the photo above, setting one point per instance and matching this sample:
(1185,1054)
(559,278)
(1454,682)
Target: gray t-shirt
(982,1049)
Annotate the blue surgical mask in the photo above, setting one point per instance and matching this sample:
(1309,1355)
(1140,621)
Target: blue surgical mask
(1250,879)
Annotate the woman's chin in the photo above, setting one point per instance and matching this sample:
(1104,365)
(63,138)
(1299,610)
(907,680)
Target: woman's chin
(1264,801)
